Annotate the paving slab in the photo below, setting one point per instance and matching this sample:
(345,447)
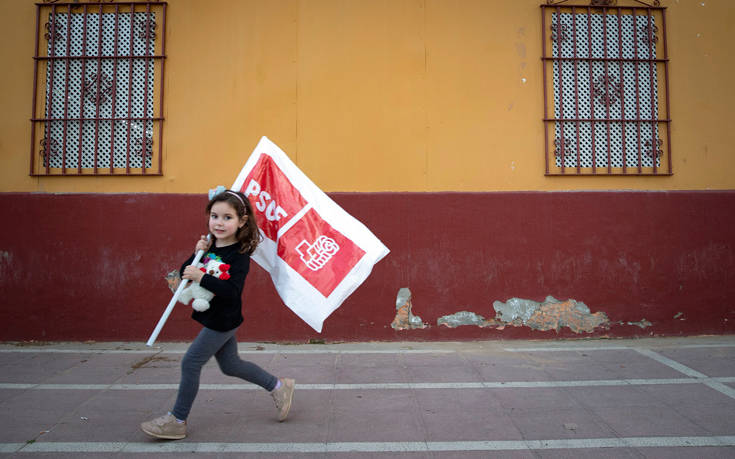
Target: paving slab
(475,413)
(688,453)
(712,361)
(649,420)
(669,397)
(374,416)
(508,367)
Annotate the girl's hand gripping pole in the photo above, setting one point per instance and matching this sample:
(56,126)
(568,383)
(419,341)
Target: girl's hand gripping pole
(172,303)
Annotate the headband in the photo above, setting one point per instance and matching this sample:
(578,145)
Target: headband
(220,189)
(237,196)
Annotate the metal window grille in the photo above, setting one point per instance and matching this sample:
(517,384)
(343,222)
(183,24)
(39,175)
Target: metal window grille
(607,67)
(98,73)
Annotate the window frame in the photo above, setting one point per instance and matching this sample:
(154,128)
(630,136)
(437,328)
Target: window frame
(134,155)
(558,150)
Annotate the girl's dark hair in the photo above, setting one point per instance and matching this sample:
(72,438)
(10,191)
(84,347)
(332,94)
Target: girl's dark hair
(248,236)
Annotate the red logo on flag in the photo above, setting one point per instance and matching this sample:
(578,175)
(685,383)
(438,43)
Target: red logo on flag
(322,255)
(275,200)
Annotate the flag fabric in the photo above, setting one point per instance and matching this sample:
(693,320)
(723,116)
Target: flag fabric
(316,253)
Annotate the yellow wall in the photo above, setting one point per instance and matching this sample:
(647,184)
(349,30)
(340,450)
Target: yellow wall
(380,95)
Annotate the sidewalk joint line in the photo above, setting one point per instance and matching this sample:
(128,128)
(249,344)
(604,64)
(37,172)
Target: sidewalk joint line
(368,447)
(671,363)
(715,383)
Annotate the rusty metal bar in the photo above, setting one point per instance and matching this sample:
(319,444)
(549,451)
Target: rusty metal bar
(604,59)
(130,87)
(651,67)
(66,92)
(160,104)
(546,111)
(144,140)
(576,87)
(606,80)
(619,174)
(592,94)
(115,58)
(666,80)
(97,95)
(637,91)
(622,91)
(562,149)
(99,3)
(609,120)
(35,92)
(135,56)
(81,92)
(50,103)
(131,118)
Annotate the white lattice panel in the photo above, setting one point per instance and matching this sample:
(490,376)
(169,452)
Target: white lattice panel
(605,90)
(90,95)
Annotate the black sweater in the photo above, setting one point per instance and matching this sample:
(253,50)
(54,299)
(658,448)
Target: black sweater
(225,309)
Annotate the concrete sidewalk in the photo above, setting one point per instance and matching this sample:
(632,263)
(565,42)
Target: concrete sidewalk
(658,398)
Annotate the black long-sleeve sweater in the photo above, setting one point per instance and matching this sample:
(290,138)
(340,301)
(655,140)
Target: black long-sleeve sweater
(225,309)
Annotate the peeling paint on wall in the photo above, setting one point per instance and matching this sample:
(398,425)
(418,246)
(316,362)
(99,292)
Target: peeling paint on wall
(516,309)
(405,319)
(552,314)
(465,318)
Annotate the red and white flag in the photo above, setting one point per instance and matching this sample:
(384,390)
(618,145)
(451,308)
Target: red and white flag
(316,253)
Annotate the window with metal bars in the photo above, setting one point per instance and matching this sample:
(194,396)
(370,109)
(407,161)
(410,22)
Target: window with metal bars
(606,103)
(98,95)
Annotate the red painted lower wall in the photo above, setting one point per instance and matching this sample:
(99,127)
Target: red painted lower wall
(92,266)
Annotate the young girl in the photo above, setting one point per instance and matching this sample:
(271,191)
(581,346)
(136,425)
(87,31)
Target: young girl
(235,232)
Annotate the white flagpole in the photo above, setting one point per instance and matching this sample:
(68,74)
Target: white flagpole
(172,303)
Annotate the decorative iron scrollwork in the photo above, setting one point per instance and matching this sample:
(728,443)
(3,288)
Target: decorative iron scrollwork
(146,27)
(607,89)
(654,3)
(559,32)
(658,152)
(53,27)
(138,148)
(558,148)
(92,85)
(49,150)
(645,31)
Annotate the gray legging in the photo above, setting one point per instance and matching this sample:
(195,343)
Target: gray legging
(223,346)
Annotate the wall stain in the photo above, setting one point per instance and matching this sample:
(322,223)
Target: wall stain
(643,323)
(551,314)
(461,318)
(6,263)
(405,320)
